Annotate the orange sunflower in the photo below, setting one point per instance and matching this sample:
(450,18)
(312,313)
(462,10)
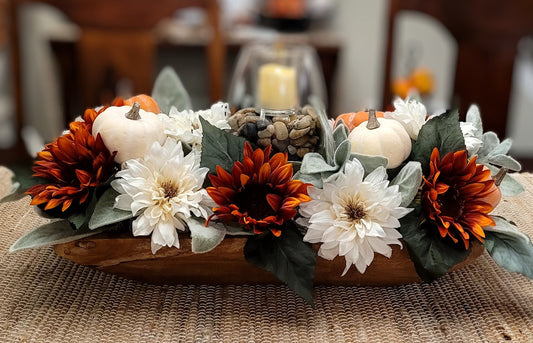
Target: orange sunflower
(72,165)
(259,192)
(455,196)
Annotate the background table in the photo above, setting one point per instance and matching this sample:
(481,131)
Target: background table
(44,298)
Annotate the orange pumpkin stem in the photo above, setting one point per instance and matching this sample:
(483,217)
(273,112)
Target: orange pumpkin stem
(133,114)
(373,122)
(498,178)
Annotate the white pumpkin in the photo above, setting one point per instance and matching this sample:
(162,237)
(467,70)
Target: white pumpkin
(380,136)
(129,130)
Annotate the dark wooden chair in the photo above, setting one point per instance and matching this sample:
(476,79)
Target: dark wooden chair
(117,37)
(487,34)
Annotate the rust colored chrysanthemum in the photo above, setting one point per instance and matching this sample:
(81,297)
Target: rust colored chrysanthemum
(454,196)
(73,165)
(259,192)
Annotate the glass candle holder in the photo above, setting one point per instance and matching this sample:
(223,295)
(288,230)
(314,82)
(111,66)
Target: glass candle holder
(276,78)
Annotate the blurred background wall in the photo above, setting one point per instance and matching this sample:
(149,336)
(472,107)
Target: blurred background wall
(357,29)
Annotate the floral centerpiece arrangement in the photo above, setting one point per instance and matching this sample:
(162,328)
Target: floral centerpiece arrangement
(149,166)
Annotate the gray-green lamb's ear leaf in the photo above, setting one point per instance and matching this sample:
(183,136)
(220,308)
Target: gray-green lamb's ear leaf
(504,161)
(502,148)
(327,144)
(55,232)
(490,142)
(104,212)
(314,163)
(370,162)
(408,181)
(509,248)
(205,238)
(342,153)
(509,186)
(340,133)
(505,227)
(236,230)
(473,116)
(168,91)
(314,179)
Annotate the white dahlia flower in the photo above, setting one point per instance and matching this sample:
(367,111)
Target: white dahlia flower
(162,189)
(410,113)
(185,126)
(354,217)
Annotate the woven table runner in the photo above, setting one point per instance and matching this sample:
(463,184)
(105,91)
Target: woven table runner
(44,298)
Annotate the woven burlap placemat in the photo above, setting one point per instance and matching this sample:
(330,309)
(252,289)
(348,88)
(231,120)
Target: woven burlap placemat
(44,298)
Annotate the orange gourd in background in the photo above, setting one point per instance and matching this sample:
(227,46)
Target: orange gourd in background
(353,119)
(147,103)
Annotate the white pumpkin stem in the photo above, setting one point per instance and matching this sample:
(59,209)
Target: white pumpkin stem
(373,122)
(133,114)
(498,178)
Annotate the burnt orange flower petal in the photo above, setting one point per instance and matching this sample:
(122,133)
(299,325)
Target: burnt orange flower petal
(456,202)
(259,193)
(72,166)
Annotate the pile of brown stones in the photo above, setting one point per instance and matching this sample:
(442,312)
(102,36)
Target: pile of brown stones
(295,133)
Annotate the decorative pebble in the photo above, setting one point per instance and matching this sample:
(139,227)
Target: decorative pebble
(283,119)
(280,145)
(298,133)
(264,133)
(262,124)
(302,151)
(303,122)
(249,131)
(280,130)
(270,128)
(233,121)
(292,150)
(263,142)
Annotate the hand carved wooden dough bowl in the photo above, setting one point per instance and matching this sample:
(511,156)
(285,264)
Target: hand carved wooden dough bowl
(131,257)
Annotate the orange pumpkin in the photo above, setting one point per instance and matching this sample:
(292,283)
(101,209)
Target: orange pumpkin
(147,103)
(422,80)
(401,87)
(353,119)
(494,195)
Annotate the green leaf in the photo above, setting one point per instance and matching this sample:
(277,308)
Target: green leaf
(474,116)
(81,218)
(442,132)
(340,133)
(168,91)
(205,238)
(220,147)
(431,254)
(342,152)
(314,179)
(288,257)
(370,162)
(233,229)
(327,143)
(504,161)
(313,163)
(510,248)
(105,213)
(408,181)
(509,186)
(490,142)
(22,180)
(502,148)
(55,232)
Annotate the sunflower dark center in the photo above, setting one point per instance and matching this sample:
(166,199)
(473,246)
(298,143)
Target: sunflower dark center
(252,199)
(355,211)
(451,203)
(169,189)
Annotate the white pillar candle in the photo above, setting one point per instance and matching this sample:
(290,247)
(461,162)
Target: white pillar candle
(277,88)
